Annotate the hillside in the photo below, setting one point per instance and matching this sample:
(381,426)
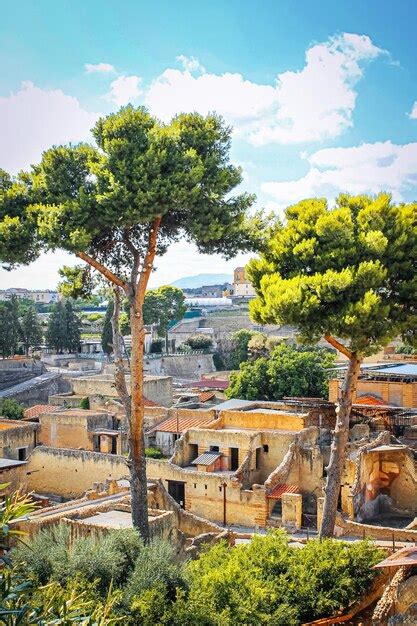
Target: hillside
(192,282)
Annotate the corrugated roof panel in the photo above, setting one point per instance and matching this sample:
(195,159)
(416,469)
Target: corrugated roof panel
(207,458)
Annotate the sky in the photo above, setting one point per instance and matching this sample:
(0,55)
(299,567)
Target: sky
(322,96)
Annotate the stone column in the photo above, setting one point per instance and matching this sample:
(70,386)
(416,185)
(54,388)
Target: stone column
(292,510)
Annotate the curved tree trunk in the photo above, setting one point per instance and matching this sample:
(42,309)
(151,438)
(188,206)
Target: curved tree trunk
(137,460)
(339,446)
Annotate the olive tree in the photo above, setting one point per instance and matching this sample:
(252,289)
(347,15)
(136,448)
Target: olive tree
(119,204)
(348,274)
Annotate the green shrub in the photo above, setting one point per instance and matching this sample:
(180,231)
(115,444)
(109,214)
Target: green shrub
(157,346)
(153,453)
(11,409)
(85,403)
(267,582)
(198,342)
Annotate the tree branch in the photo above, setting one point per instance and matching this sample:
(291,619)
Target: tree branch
(339,346)
(103,270)
(136,257)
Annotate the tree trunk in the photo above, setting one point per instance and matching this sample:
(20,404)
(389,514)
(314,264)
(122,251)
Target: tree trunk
(137,460)
(339,446)
(119,376)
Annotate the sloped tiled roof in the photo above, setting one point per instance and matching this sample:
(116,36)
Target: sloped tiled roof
(205,396)
(277,492)
(369,400)
(38,409)
(171,425)
(208,383)
(147,402)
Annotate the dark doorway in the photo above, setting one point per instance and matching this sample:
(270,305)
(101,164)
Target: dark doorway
(234,459)
(22,454)
(114,445)
(193,451)
(176,490)
(258,458)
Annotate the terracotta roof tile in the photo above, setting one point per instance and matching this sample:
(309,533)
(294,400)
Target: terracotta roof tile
(38,409)
(208,383)
(147,402)
(277,492)
(369,400)
(171,425)
(205,396)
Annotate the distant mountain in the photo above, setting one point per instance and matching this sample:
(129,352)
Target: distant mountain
(192,282)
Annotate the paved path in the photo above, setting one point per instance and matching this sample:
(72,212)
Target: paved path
(28,384)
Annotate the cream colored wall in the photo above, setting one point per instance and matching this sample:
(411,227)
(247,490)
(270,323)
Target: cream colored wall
(22,435)
(70,473)
(390,392)
(259,420)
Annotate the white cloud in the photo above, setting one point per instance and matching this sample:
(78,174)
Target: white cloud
(91,68)
(190,64)
(124,89)
(413,112)
(312,104)
(32,119)
(368,168)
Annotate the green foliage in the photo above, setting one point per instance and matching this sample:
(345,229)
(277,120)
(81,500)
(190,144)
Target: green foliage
(107,332)
(11,409)
(219,362)
(124,323)
(288,371)
(263,582)
(9,327)
(406,349)
(239,348)
(163,306)
(30,329)
(50,557)
(157,346)
(85,403)
(63,332)
(267,582)
(348,271)
(78,283)
(153,453)
(199,342)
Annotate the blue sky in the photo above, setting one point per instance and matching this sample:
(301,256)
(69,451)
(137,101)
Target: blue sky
(322,95)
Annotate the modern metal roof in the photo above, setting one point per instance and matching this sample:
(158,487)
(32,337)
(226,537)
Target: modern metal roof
(403,369)
(207,458)
(235,405)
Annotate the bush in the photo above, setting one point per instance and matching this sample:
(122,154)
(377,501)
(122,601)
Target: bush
(11,409)
(267,582)
(198,342)
(85,403)
(156,346)
(49,557)
(218,361)
(153,453)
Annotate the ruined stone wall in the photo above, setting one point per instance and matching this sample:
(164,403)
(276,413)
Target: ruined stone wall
(70,473)
(156,388)
(70,429)
(204,493)
(15,478)
(15,434)
(261,420)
